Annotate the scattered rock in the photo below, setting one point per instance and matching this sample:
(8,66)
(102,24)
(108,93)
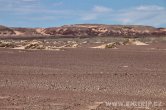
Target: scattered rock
(109,45)
(100,47)
(5,44)
(113,45)
(70,44)
(35,45)
(47,45)
(133,42)
(116,44)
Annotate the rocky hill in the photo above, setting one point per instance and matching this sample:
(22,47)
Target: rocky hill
(5,31)
(26,31)
(90,30)
(86,30)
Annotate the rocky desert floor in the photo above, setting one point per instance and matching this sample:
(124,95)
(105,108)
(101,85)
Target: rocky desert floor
(130,77)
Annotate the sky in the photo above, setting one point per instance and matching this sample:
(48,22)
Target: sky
(52,13)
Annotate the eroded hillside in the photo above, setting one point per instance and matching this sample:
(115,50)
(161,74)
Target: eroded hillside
(86,30)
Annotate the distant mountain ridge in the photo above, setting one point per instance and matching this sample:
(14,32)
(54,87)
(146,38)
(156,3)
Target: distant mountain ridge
(86,30)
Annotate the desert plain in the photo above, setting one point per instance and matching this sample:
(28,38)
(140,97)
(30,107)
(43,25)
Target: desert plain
(83,74)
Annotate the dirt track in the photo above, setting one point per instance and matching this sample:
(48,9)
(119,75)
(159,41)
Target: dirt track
(82,79)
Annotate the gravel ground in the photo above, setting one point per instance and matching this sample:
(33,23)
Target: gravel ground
(83,78)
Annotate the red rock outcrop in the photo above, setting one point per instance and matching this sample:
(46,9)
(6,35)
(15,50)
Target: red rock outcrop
(90,30)
(87,30)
